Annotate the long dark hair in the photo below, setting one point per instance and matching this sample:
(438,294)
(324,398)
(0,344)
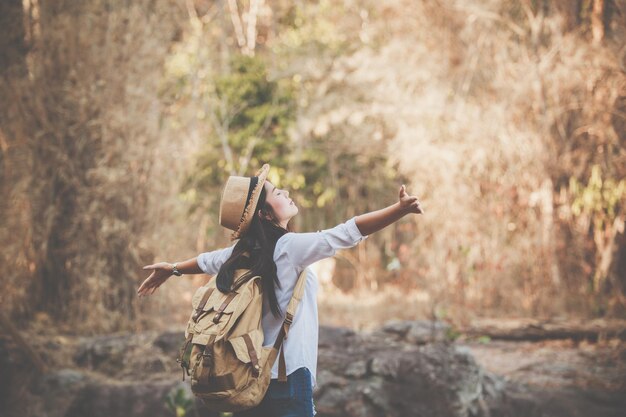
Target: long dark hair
(255,251)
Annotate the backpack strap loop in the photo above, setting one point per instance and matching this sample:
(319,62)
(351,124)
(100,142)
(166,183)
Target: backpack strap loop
(207,359)
(208,349)
(288,318)
(220,311)
(253,356)
(203,302)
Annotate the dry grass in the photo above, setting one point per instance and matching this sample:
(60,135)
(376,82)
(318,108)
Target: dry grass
(489,108)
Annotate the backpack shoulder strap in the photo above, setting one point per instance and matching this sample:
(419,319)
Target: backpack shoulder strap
(298,291)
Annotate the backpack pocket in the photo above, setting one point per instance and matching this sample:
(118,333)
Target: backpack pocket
(211,377)
(248,348)
(221,367)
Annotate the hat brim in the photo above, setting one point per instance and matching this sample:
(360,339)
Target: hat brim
(246,218)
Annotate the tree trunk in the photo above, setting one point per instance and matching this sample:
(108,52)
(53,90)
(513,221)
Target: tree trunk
(597,20)
(15,160)
(535,330)
(12,38)
(75,183)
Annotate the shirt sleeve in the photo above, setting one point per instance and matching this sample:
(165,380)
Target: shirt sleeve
(211,262)
(303,249)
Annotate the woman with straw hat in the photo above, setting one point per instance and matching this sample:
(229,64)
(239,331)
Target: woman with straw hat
(258,213)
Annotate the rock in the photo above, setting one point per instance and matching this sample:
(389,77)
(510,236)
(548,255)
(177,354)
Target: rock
(170,342)
(416,332)
(125,355)
(335,336)
(105,398)
(5,370)
(433,380)
(357,369)
(71,393)
(104,353)
(59,389)
(402,369)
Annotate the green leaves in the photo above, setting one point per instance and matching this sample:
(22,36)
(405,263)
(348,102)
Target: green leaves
(179,402)
(599,197)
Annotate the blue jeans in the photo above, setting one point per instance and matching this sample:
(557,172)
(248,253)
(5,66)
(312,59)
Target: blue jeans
(293,398)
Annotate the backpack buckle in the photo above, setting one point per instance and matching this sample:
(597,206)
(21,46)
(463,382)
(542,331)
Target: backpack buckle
(207,352)
(288,318)
(196,315)
(220,310)
(217,317)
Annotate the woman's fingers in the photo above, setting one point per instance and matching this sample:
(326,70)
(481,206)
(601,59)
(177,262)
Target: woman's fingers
(142,289)
(407,201)
(143,285)
(150,284)
(145,291)
(146,284)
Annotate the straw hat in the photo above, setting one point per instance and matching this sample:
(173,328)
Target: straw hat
(239,199)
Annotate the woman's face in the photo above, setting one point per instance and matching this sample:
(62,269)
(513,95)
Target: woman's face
(283,207)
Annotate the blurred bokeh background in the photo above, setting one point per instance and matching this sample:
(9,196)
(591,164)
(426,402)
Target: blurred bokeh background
(121,120)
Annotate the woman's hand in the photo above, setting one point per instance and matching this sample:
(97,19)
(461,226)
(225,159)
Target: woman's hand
(374,221)
(160,273)
(409,203)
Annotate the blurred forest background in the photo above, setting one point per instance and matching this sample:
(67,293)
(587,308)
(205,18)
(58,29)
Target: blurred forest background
(121,120)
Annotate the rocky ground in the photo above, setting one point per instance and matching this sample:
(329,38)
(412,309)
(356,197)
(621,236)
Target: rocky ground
(405,368)
(556,363)
(563,377)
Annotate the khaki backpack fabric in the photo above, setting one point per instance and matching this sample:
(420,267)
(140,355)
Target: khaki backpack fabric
(223,351)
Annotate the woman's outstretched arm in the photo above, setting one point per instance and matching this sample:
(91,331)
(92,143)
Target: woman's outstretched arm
(161,271)
(303,249)
(205,263)
(374,221)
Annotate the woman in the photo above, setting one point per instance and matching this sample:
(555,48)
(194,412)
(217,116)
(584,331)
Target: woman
(259,214)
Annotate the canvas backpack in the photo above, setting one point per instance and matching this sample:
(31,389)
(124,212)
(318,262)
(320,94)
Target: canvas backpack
(223,352)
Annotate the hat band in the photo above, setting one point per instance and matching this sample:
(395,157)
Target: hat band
(253,182)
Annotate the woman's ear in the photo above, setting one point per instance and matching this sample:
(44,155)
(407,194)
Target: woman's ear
(264,216)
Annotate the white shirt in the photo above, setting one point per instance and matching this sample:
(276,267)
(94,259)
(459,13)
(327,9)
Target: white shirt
(293,253)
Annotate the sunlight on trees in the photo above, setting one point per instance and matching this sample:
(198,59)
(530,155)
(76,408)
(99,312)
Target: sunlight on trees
(506,119)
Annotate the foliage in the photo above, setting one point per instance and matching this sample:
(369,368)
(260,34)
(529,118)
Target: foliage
(236,98)
(179,402)
(452,333)
(79,118)
(598,204)
(484,339)
(599,199)
(505,118)
(252,115)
